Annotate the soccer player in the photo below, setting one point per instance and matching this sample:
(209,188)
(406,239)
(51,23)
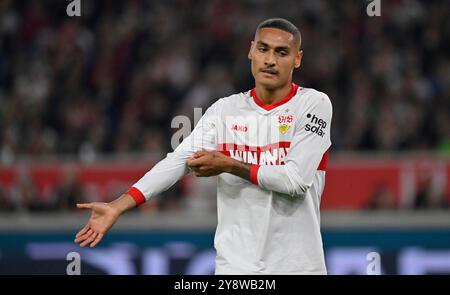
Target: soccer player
(269,148)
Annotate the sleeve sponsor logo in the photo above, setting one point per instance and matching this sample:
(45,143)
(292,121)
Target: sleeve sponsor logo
(316,125)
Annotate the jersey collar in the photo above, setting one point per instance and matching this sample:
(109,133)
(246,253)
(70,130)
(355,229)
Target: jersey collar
(284,100)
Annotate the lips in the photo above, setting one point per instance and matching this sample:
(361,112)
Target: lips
(269,71)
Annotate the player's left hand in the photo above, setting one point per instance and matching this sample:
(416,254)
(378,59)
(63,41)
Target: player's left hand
(208,163)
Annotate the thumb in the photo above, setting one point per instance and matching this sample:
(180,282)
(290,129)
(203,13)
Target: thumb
(85,206)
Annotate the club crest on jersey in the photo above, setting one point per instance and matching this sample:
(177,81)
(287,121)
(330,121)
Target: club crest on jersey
(284,122)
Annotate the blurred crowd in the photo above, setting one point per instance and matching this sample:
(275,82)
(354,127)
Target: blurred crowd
(29,193)
(110,81)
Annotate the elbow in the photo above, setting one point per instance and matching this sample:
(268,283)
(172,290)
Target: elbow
(297,187)
(299,190)
(293,188)
(284,181)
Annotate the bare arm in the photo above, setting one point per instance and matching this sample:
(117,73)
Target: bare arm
(240,169)
(124,203)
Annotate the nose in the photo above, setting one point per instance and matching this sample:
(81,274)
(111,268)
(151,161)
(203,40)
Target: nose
(270,58)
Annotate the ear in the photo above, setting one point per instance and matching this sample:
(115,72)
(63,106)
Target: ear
(250,55)
(298,59)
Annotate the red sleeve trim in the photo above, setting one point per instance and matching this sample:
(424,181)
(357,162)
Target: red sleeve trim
(323,163)
(254,174)
(137,195)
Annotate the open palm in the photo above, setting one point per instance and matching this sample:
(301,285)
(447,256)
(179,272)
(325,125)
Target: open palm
(102,218)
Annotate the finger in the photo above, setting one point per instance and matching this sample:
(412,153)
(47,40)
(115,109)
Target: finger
(192,163)
(201,153)
(196,162)
(79,240)
(97,240)
(84,237)
(82,231)
(89,240)
(85,206)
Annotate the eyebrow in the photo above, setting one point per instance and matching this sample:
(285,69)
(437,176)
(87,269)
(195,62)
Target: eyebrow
(278,48)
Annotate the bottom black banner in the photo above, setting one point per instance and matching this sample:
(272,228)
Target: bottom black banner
(267,284)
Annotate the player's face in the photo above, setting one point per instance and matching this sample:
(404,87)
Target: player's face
(274,55)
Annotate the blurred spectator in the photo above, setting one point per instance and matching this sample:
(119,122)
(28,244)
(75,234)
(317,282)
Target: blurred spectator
(171,199)
(382,199)
(5,202)
(24,194)
(429,196)
(67,192)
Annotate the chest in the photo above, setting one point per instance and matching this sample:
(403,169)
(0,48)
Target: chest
(257,129)
(256,138)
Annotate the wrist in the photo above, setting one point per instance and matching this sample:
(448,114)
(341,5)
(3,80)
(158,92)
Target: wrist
(240,169)
(122,204)
(231,165)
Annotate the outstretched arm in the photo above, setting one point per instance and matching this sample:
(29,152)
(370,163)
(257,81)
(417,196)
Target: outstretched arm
(161,177)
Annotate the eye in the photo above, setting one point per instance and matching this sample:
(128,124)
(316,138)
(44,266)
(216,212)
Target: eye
(283,53)
(262,49)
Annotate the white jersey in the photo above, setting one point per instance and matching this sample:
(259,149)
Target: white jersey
(270,224)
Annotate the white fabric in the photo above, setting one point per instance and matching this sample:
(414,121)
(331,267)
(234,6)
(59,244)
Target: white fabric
(272,227)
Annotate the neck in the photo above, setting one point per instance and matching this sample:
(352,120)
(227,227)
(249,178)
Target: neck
(271,96)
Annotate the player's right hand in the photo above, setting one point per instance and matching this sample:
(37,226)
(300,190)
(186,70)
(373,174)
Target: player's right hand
(103,216)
